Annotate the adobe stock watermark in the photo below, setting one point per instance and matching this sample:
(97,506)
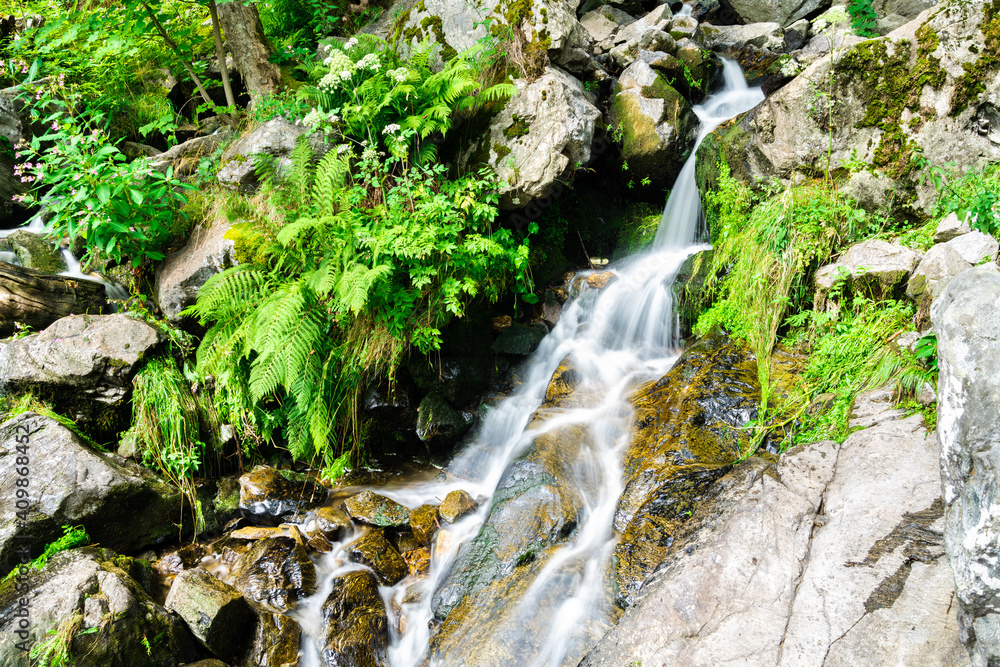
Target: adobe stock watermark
(20,621)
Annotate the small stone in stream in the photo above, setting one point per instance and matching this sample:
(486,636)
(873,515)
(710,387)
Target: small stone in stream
(405,540)
(601,280)
(319,543)
(456,505)
(333,522)
(183,558)
(256,533)
(375,551)
(424,523)
(215,611)
(375,510)
(443,542)
(275,573)
(414,593)
(265,492)
(501,322)
(418,561)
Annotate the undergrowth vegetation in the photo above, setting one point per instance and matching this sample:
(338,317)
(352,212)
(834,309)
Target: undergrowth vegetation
(373,256)
(759,290)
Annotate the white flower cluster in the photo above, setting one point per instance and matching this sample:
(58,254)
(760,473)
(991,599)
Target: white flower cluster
(351,43)
(370,61)
(317,117)
(341,68)
(399,75)
(391,128)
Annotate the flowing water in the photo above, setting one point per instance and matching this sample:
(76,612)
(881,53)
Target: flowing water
(36,225)
(616,338)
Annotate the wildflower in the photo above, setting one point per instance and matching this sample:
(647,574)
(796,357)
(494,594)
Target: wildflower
(399,75)
(55,125)
(351,43)
(369,154)
(342,148)
(345,75)
(370,61)
(392,128)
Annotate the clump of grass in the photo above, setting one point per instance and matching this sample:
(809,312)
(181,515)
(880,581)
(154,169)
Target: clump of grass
(166,421)
(12,405)
(851,354)
(55,651)
(73,536)
(766,251)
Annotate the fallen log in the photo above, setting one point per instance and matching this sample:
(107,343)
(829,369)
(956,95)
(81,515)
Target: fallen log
(38,299)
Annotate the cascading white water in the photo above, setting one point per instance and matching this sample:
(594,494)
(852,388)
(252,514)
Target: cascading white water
(616,338)
(36,225)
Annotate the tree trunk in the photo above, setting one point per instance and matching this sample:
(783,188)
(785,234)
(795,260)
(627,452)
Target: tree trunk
(39,299)
(250,48)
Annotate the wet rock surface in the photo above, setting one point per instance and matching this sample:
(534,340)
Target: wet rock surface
(967,324)
(687,431)
(71,484)
(266,494)
(356,629)
(275,573)
(424,523)
(100,591)
(439,425)
(214,611)
(375,510)
(375,551)
(275,642)
(830,556)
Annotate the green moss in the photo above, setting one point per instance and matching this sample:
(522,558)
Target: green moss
(501,150)
(971,85)
(518,128)
(879,72)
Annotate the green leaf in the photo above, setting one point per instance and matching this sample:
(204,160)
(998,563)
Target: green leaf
(136,196)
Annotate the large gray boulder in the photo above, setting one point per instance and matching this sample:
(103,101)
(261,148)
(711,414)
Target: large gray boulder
(831,556)
(541,136)
(68,483)
(895,13)
(975,247)
(938,267)
(107,599)
(83,363)
(182,274)
(967,323)
(624,45)
(876,268)
(784,12)
(274,139)
(216,613)
(768,36)
(549,28)
(949,227)
(946,118)
(656,123)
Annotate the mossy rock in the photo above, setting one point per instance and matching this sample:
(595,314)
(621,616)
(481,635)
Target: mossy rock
(375,551)
(375,510)
(356,628)
(35,252)
(519,339)
(274,574)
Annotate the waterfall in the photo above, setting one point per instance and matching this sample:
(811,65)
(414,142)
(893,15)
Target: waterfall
(616,337)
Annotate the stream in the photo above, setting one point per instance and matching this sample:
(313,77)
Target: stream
(615,338)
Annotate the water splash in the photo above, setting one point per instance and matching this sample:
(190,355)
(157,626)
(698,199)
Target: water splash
(616,338)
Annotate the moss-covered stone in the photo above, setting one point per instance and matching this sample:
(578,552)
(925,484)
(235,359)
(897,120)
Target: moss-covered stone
(376,510)
(34,252)
(356,628)
(375,551)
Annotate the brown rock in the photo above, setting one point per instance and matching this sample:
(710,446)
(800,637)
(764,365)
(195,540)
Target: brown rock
(456,505)
(375,551)
(424,523)
(333,522)
(501,322)
(419,561)
(601,280)
(375,510)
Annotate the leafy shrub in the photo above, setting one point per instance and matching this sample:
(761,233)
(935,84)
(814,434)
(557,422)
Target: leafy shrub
(119,208)
(368,90)
(863,18)
(974,197)
(370,263)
